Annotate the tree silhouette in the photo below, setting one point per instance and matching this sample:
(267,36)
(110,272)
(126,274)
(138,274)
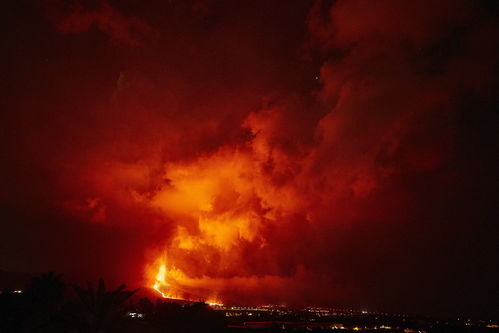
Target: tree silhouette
(44,298)
(45,307)
(100,310)
(46,291)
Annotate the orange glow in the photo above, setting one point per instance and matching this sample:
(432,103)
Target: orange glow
(161,280)
(255,152)
(217,202)
(165,283)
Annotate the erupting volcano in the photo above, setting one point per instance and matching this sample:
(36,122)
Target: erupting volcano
(223,205)
(168,283)
(329,153)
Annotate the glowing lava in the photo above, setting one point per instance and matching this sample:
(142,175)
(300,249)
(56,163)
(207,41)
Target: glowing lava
(161,281)
(168,287)
(163,287)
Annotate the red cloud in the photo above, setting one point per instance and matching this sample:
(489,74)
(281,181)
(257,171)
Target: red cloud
(124,29)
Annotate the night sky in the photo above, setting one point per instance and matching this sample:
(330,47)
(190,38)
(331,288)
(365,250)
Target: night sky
(336,153)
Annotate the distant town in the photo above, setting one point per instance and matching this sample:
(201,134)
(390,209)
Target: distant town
(272,317)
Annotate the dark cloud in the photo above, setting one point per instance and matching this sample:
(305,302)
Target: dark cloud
(77,17)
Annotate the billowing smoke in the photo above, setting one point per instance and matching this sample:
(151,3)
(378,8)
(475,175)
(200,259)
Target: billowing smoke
(329,152)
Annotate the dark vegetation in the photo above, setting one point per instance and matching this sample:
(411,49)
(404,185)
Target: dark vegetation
(47,304)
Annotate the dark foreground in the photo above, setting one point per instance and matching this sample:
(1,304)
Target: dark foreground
(46,304)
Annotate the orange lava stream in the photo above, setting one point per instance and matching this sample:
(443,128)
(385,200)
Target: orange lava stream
(166,290)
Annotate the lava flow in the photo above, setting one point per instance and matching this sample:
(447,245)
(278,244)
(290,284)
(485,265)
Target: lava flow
(168,287)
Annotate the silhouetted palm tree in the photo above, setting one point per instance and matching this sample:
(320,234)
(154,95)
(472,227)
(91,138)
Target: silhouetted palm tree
(100,310)
(44,298)
(47,290)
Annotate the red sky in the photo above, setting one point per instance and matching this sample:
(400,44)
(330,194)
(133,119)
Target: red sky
(308,152)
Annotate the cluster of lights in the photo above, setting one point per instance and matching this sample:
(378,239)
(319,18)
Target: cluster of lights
(135,315)
(214,304)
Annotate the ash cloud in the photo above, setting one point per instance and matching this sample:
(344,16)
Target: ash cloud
(78,17)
